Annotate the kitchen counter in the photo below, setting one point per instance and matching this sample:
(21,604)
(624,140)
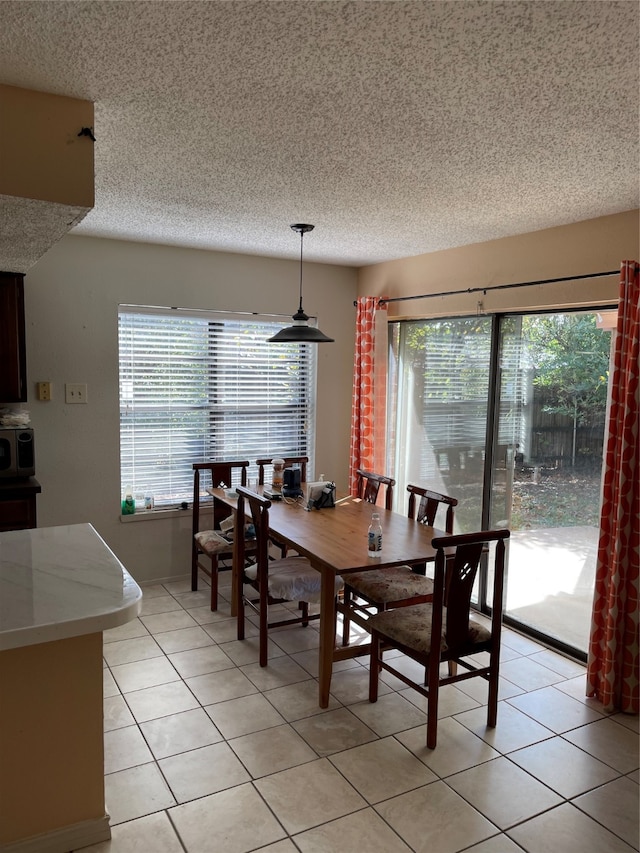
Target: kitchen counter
(58,582)
(60,588)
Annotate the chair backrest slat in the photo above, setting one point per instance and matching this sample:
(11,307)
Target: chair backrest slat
(229,472)
(259,511)
(424,505)
(368,487)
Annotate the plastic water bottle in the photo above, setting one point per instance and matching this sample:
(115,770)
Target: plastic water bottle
(375,536)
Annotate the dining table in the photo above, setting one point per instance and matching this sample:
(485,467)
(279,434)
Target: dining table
(334,540)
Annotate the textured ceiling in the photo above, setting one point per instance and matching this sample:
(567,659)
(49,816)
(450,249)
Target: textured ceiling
(397,128)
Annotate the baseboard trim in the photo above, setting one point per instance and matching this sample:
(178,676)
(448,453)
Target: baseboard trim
(62,840)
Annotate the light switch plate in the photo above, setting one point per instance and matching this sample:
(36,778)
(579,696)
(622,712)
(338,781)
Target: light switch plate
(75,392)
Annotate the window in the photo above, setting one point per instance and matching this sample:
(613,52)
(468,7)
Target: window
(197,386)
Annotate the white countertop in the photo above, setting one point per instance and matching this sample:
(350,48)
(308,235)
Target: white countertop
(59,582)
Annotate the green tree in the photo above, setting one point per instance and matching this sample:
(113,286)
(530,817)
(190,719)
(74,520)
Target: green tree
(571,359)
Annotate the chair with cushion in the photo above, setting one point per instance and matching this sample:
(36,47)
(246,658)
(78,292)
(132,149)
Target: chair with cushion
(446,629)
(368,487)
(379,589)
(275,581)
(211,545)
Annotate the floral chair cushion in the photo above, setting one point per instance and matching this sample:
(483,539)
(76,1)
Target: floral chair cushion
(214,542)
(389,585)
(411,626)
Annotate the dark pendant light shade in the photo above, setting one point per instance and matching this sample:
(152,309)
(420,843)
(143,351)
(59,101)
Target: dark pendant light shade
(301,331)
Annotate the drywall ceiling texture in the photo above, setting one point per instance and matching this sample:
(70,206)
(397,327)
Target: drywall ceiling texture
(29,227)
(397,128)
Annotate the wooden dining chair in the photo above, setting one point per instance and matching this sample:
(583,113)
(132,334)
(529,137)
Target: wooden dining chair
(446,629)
(210,545)
(289,462)
(379,589)
(275,581)
(368,487)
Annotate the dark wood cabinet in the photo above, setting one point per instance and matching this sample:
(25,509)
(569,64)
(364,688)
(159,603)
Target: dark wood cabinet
(13,358)
(18,503)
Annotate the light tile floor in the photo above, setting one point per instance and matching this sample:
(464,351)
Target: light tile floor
(206,752)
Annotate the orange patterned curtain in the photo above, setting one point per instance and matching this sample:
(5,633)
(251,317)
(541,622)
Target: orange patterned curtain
(369,406)
(612,671)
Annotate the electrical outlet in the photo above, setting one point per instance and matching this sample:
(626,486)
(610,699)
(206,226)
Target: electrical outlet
(75,392)
(44,390)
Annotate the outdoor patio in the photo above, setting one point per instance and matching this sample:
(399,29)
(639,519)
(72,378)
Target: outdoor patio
(550,581)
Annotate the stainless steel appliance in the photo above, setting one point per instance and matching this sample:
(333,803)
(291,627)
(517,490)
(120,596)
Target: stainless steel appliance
(17,452)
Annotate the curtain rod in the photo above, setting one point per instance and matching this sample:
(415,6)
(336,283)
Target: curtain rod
(499,287)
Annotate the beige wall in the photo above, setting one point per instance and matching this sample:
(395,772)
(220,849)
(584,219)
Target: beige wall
(72,296)
(596,245)
(41,154)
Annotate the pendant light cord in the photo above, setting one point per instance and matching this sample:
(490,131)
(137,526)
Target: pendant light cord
(301,239)
(300,331)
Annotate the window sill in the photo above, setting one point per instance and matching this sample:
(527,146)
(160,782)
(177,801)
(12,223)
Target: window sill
(155,515)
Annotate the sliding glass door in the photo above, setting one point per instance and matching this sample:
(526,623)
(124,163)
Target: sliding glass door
(553,398)
(507,415)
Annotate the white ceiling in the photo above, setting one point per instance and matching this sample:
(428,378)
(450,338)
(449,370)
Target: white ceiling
(396,128)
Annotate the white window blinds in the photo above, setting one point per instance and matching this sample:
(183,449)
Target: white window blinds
(198,387)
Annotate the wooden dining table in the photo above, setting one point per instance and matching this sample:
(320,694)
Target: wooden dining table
(334,540)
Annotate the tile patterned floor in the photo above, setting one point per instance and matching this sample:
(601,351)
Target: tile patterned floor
(206,752)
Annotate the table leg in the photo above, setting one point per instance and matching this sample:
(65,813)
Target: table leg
(327,635)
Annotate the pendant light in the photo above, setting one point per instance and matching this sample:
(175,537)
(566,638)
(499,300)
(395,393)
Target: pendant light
(300,331)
